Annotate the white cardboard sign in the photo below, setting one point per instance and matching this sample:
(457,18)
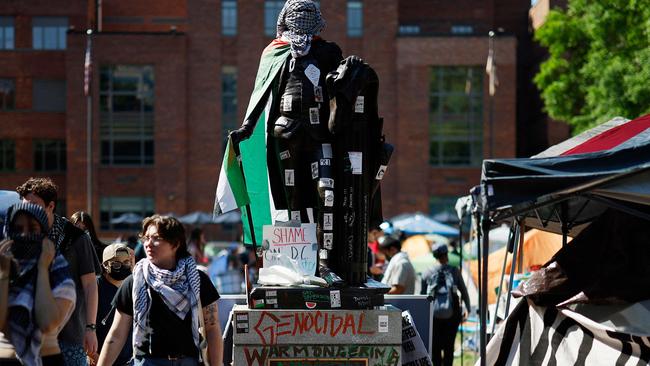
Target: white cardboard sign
(297,243)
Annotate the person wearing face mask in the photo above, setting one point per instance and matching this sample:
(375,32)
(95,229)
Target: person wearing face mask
(117,262)
(37,293)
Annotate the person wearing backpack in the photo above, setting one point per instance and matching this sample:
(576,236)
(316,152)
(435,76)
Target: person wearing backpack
(443,283)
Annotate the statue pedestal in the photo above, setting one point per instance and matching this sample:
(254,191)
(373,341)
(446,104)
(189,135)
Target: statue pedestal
(279,297)
(282,337)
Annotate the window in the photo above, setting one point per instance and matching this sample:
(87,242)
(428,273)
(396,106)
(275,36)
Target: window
(229,17)
(126,102)
(7,32)
(456,116)
(228,100)
(111,208)
(355,18)
(7,94)
(272,9)
(462,29)
(409,29)
(48,33)
(49,155)
(48,95)
(7,155)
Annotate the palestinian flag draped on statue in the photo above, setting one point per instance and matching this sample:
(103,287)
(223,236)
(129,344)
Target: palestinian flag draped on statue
(231,189)
(254,149)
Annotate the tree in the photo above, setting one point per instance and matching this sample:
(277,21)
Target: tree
(599,61)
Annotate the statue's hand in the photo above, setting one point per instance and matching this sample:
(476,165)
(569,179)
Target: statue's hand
(353,61)
(241,134)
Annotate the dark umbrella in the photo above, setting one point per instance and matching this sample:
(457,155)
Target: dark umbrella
(127,218)
(232,217)
(419,223)
(197,218)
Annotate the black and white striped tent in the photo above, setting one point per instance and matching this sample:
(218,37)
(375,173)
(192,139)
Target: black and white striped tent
(564,190)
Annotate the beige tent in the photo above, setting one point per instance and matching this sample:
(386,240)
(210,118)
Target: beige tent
(539,246)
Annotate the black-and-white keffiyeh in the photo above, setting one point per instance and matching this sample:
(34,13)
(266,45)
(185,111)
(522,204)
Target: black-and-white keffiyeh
(24,334)
(179,290)
(298,22)
(57,231)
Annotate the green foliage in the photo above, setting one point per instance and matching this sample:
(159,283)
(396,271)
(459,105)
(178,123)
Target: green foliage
(599,61)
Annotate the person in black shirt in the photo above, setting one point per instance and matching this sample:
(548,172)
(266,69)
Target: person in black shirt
(165,301)
(117,262)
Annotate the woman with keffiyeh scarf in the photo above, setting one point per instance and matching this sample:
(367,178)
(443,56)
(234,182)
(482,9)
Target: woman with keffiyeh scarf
(163,301)
(37,294)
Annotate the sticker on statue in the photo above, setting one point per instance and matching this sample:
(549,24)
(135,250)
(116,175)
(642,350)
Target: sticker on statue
(313,74)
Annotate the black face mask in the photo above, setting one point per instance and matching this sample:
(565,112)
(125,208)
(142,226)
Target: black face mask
(120,274)
(26,246)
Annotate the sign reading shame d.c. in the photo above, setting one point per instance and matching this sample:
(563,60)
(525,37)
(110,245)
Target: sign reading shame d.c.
(295,242)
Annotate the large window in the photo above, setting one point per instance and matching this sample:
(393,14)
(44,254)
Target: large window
(48,95)
(355,18)
(7,33)
(228,100)
(272,9)
(49,155)
(48,33)
(229,17)
(7,94)
(124,213)
(7,155)
(127,114)
(456,116)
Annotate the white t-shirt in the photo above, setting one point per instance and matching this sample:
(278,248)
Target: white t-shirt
(400,271)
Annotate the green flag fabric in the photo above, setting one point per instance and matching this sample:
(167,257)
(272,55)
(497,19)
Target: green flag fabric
(231,189)
(253,150)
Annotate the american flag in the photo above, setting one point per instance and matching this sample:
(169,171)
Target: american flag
(87,66)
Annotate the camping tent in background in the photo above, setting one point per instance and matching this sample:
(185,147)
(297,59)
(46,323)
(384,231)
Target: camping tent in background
(498,239)
(419,223)
(539,246)
(604,171)
(229,218)
(418,248)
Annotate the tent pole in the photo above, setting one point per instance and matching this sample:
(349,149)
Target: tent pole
(517,245)
(511,238)
(485,228)
(565,218)
(460,249)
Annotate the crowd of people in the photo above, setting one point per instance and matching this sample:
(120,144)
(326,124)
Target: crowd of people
(147,300)
(59,305)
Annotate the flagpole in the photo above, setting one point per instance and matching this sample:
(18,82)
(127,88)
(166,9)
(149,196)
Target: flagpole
(491,91)
(89,123)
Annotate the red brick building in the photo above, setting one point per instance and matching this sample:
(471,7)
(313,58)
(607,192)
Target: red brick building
(169,77)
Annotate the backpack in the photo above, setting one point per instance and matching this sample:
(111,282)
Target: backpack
(441,289)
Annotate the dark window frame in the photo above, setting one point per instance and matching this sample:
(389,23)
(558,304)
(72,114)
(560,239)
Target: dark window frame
(7,33)
(229,18)
(60,95)
(272,9)
(229,119)
(127,128)
(8,100)
(43,28)
(354,18)
(7,155)
(43,147)
(464,128)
